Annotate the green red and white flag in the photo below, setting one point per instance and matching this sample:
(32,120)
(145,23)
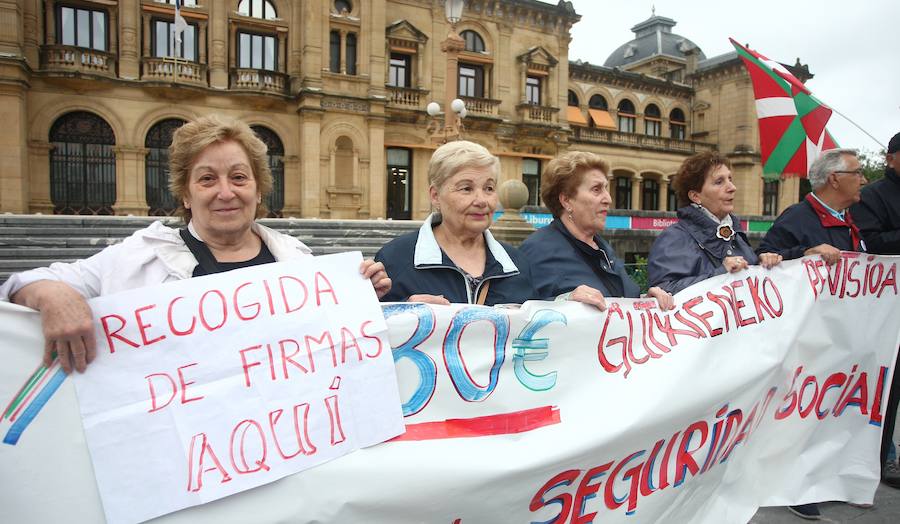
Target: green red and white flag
(791,120)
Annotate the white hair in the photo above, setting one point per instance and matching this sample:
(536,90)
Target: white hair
(828,162)
(451,157)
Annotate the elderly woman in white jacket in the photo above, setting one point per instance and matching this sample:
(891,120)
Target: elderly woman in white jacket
(219,174)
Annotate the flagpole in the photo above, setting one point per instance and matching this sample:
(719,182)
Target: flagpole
(860,128)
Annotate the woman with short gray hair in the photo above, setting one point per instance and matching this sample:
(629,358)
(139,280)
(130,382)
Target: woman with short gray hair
(453,257)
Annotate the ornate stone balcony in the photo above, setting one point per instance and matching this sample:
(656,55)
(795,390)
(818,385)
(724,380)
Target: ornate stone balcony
(617,138)
(64,58)
(259,80)
(481,106)
(536,113)
(174,71)
(405,97)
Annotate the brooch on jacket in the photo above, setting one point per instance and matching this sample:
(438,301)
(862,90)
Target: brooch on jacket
(725,232)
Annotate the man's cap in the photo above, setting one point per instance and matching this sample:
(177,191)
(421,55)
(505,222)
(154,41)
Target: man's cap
(894,144)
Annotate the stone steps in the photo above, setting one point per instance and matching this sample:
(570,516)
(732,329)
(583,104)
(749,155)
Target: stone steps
(29,241)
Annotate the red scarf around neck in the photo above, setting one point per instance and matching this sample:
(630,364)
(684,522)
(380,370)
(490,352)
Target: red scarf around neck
(829,220)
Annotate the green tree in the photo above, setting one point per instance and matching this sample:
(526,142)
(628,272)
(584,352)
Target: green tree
(872,164)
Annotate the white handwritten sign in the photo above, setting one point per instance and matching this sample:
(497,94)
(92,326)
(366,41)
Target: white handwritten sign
(211,386)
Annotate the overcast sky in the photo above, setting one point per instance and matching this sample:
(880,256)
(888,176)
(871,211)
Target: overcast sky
(852,48)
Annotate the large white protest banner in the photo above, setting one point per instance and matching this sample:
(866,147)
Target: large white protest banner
(760,388)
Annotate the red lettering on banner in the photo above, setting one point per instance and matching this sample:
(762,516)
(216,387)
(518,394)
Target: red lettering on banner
(323,287)
(142,326)
(110,335)
(175,331)
(197,457)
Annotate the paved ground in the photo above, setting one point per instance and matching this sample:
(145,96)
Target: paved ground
(886,509)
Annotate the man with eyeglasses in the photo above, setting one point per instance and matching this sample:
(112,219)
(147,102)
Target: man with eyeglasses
(878,218)
(821,224)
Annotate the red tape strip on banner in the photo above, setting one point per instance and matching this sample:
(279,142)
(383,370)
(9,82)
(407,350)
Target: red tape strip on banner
(500,424)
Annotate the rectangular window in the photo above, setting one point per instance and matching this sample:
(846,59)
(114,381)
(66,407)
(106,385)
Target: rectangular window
(351,53)
(677,130)
(399,172)
(257,51)
(164,45)
(471,81)
(399,73)
(531,177)
(770,198)
(82,28)
(623,193)
(626,123)
(334,63)
(650,198)
(533,90)
(652,127)
(673,199)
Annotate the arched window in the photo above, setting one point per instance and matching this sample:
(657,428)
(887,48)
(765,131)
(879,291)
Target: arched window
(677,124)
(275,200)
(343,162)
(573,98)
(474,42)
(82,165)
(341,6)
(156,167)
(257,9)
(598,102)
(652,120)
(626,116)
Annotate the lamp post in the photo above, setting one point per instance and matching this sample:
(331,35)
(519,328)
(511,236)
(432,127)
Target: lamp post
(455,108)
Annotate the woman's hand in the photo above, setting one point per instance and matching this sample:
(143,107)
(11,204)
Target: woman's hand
(429,299)
(769,260)
(374,271)
(734,264)
(67,322)
(590,296)
(665,299)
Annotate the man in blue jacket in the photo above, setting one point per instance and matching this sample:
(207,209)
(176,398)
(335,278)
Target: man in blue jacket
(821,224)
(878,218)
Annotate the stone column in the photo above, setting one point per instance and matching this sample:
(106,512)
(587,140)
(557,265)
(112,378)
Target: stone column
(131,189)
(11,30)
(310,145)
(220,37)
(343,33)
(292,187)
(13,150)
(664,194)
(201,35)
(636,192)
(32,32)
(377,183)
(39,183)
(129,26)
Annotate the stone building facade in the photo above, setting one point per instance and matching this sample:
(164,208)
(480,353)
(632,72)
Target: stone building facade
(90,92)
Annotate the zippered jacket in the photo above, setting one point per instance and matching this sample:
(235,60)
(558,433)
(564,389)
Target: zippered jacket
(560,263)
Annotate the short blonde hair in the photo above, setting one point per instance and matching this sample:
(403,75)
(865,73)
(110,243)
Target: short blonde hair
(192,138)
(565,173)
(451,157)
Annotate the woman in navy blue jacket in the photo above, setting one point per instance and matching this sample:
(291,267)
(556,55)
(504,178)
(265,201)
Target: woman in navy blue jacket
(453,257)
(707,239)
(569,259)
